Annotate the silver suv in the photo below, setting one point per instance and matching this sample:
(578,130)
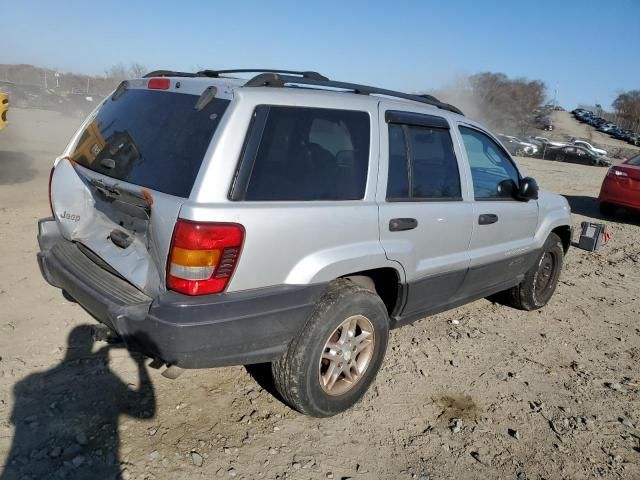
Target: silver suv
(291,219)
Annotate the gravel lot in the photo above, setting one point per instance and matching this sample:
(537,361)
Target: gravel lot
(482,391)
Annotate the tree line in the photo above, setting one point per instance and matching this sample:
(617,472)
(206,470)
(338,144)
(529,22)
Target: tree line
(509,105)
(627,109)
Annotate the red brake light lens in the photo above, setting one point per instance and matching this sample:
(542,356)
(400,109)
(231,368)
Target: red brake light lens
(614,172)
(203,256)
(158,83)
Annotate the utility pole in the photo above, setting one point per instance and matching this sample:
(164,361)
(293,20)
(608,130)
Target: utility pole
(87,85)
(45,81)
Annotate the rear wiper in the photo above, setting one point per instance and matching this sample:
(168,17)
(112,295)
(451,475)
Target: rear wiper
(122,88)
(206,97)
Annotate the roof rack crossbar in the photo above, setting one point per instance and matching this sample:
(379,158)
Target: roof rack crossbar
(169,73)
(273,79)
(303,74)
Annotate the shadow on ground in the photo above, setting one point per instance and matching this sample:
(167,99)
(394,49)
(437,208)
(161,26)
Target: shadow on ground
(66,418)
(590,207)
(261,374)
(15,167)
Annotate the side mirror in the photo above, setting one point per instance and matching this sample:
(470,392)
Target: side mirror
(507,189)
(528,189)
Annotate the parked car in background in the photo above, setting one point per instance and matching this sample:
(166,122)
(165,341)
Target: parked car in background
(516,146)
(550,143)
(581,111)
(575,154)
(606,127)
(622,134)
(621,187)
(588,146)
(534,141)
(584,116)
(616,132)
(634,139)
(544,122)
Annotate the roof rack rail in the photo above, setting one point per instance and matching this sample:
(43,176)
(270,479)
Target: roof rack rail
(169,73)
(274,79)
(303,74)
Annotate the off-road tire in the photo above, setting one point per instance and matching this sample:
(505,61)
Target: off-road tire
(296,373)
(525,296)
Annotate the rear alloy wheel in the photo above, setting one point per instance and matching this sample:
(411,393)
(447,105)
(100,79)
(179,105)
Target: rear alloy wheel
(347,355)
(331,363)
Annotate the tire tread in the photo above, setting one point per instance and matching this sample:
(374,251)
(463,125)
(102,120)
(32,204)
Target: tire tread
(284,370)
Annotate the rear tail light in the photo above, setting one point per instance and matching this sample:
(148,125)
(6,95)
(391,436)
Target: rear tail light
(50,179)
(158,83)
(614,172)
(203,256)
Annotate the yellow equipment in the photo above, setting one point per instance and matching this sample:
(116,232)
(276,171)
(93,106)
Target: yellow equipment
(4,108)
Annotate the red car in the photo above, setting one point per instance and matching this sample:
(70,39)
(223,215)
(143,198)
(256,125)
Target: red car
(621,187)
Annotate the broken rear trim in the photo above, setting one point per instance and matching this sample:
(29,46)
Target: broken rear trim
(235,328)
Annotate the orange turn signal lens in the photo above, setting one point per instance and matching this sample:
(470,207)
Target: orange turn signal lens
(195,258)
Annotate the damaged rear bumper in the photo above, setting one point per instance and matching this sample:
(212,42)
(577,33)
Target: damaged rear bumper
(236,328)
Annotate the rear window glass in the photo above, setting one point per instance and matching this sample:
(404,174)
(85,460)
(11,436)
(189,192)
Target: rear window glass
(309,154)
(635,161)
(150,138)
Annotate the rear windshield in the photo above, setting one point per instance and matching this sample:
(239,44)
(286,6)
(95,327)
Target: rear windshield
(635,161)
(150,138)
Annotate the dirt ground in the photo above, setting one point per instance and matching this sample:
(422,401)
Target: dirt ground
(551,394)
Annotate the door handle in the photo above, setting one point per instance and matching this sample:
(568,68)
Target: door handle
(402,224)
(487,219)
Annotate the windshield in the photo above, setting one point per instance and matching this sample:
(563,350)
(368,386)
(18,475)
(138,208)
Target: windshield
(154,139)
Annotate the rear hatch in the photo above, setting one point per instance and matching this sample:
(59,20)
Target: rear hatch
(119,191)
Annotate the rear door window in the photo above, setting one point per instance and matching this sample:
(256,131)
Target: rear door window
(299,153)
(422,164)
(154,139)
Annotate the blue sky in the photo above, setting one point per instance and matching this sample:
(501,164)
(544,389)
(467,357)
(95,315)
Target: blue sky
(588,51)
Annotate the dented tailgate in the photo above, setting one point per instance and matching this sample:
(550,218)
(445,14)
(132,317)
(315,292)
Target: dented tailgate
(119,189)
(133,238)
